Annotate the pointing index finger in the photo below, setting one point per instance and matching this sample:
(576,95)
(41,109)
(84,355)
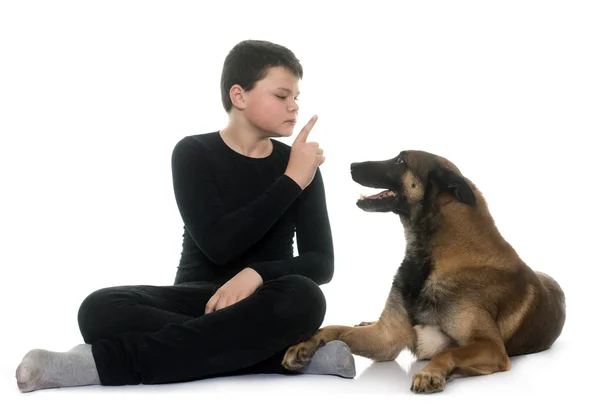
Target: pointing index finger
(303,134)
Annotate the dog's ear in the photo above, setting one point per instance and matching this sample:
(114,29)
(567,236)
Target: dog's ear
(450,182)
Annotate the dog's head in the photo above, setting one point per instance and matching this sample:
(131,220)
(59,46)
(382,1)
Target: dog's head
(413,180)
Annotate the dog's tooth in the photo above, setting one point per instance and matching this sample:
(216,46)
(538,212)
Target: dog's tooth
(362,197)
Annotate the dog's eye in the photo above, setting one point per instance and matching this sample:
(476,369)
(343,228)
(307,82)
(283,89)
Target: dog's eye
(399,160)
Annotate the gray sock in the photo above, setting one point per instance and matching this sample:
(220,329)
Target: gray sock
(334,358)
(42,369)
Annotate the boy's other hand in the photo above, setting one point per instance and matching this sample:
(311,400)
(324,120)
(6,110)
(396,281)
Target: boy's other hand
(239,287)
(305,157)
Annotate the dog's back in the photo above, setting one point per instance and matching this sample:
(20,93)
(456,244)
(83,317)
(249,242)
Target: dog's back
(529,305)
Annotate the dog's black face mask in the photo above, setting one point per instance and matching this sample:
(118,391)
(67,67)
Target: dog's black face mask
(381,175)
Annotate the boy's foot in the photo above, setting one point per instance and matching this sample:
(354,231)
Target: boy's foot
(334,358)
(42,369)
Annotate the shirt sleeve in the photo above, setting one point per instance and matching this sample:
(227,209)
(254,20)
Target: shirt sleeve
(221,236)
(315,258)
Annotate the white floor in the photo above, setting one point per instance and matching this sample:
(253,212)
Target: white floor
(551,377)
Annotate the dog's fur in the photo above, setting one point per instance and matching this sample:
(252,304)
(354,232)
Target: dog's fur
(462,297)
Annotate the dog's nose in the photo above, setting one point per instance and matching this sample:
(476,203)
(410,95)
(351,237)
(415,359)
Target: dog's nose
(353,166)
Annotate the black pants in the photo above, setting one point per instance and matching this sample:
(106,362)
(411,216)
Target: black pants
(159,334)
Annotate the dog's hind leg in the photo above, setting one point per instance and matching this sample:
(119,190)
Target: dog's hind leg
(380,341)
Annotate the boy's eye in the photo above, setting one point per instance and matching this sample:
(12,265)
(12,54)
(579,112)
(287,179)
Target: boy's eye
(284,97)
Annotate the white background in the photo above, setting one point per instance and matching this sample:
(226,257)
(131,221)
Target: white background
(94,96)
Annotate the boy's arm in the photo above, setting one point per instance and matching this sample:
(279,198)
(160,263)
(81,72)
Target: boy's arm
(315,243)
(223,236)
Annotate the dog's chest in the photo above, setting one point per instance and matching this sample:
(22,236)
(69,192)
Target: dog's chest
(420,303)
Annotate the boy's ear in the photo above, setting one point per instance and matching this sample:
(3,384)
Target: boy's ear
(450,182)
(237,96)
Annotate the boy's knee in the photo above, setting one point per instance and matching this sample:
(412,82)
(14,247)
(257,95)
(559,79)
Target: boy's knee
(94,311)
(305,301)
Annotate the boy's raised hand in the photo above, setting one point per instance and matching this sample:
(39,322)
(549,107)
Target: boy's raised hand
(305,157)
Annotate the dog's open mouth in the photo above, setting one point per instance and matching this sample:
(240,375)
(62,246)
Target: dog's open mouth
(379,196)
(383,201)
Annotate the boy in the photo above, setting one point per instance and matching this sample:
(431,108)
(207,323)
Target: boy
(240,298)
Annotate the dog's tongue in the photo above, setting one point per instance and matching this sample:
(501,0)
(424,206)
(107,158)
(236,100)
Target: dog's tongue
(379,195)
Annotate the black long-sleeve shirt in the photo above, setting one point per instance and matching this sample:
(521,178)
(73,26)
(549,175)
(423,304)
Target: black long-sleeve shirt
(242,212)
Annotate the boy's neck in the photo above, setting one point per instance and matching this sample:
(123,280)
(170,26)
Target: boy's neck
(246,139)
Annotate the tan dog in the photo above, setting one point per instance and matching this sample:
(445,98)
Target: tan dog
(462,298)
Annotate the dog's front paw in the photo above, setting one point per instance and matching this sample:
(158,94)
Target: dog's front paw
(426,382)
(297,356)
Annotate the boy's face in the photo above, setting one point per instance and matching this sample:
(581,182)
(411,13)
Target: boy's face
(271,105)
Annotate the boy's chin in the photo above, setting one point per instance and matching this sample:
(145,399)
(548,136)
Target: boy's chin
(283,133)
